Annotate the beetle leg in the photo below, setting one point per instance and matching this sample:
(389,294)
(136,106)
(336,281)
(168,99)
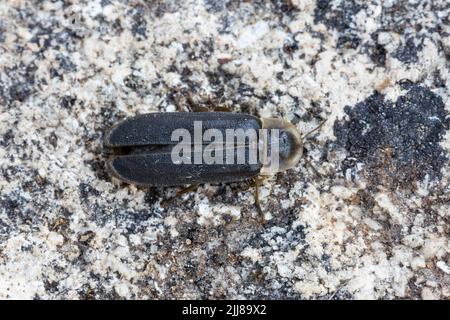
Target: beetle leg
(180,101)
(315,129)
(214,105)
(256,183)
(191,188)
(257,204)
(222,109)
(195,107)
(209,104)
(219,106)
(198,108)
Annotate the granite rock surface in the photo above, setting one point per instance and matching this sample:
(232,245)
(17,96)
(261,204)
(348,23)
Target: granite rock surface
(368,218)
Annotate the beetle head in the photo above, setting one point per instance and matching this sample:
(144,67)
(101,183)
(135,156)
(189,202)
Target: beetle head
(290,145)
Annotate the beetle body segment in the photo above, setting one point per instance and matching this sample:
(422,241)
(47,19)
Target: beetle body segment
(156,128)
(143,148)
(157,169)
(290,144)
(144,145)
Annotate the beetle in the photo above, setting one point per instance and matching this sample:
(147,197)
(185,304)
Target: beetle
(143,148)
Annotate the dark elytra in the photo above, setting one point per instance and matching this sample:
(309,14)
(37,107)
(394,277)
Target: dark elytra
(142,145)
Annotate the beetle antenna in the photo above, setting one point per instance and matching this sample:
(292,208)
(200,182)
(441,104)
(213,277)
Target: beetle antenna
(314,130)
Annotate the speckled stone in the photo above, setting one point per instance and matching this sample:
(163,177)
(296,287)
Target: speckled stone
(371,220)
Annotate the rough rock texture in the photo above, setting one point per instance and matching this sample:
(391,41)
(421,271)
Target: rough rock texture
(372,220)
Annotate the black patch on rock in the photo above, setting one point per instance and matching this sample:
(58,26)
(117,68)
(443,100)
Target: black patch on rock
(339,17)
(139,26)
(7,138)
(348,40)
(377,54)
(215,5)
(104,3)
(65,64)
(67,102)
(152,196)
(438,81)
(86,190)
(133,221)
(18,83)
(20,91)
(2,32)
(282,8)
(133,82)
(398,142)
(10,206)
(407,53)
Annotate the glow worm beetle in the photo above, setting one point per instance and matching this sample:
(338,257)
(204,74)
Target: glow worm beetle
(142,148)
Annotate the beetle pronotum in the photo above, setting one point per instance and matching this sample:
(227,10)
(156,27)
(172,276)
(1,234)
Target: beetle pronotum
(143,148)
